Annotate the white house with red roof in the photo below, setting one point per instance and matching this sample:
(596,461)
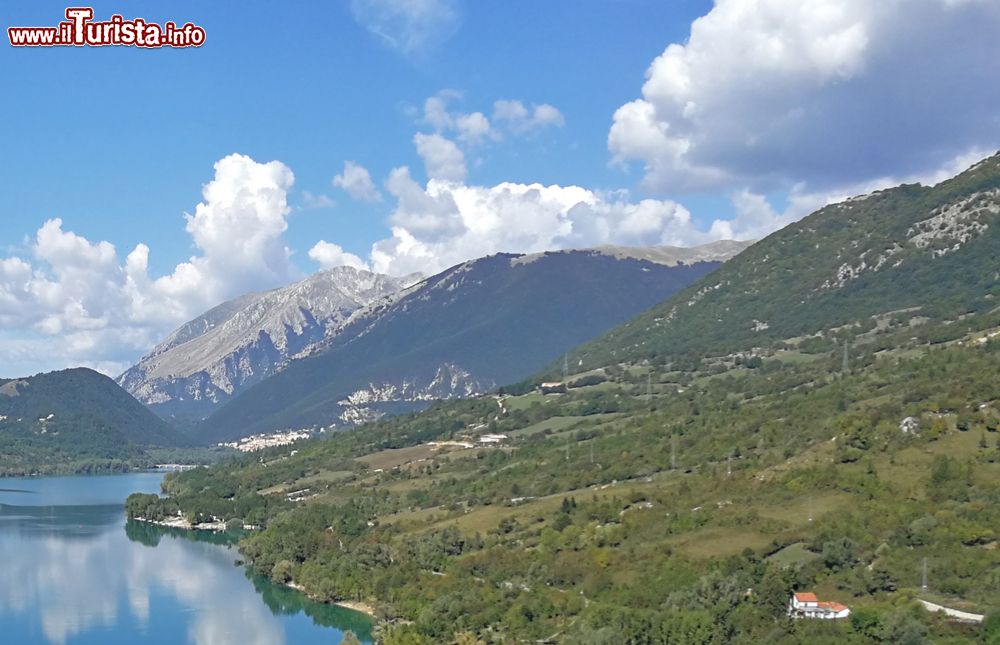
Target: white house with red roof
(807,605)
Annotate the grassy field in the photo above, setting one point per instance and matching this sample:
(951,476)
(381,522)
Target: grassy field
(793,555)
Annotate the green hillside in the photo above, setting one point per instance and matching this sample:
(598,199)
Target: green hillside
(785,436)
(922,252)
(75,421)
(642,509)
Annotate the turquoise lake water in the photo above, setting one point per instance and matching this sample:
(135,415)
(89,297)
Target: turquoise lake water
(73,572)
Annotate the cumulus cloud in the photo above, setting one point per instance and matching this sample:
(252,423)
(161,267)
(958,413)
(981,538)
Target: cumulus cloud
(442,158)
(329,255)
(520,119)
(238,229)
(357,182)
(413,27)
(510,117)
(443,223)
(84,305)
(768,93)
(470,127)
(315,201)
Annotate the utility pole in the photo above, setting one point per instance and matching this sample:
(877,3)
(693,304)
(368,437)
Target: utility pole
(591,451)
(565,367)
(567,449)
(923,585)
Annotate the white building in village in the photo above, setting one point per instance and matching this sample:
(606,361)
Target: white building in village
(807,605)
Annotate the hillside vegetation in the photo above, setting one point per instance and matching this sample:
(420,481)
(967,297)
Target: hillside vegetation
(820,414)
(924,252)
(75,421)
(614,515)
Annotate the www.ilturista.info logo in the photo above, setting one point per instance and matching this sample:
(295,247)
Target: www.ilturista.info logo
(79,30)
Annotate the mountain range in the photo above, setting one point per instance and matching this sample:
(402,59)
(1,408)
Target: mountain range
(465,331)
(239,343)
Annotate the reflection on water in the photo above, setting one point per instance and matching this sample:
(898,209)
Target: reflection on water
(74,573)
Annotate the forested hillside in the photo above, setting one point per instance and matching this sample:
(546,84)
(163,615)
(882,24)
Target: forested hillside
(651,504)
(920,252)
(75,421)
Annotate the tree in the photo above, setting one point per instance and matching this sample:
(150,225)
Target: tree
(866,622)
(282,572)
(991,629)
(350,639)
(839,554)
(405,635)
(902,628)
(774,591)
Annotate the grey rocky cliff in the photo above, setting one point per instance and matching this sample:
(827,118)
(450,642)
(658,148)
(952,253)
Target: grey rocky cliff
(241,342)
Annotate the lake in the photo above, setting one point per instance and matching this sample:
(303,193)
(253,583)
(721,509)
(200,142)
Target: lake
(73,572)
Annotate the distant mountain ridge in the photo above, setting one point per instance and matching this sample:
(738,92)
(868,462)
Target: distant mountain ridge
(241,342)
(933,252)
(481,324)
(671,256)
(53,420)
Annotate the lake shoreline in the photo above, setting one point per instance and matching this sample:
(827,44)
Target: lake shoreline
(353,605)
(220,527)
(184,525)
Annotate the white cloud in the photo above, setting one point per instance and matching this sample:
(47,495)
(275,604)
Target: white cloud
(357,182)
(413,27)
(754,217)
(329,255)
(510,117)
(79,302)
(770,93)
(314,201)
(471,128)
(238,228)
(444,223)
(520,119)
(442,158)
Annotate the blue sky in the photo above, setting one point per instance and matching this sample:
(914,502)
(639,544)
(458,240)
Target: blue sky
(141,187)
(118,142)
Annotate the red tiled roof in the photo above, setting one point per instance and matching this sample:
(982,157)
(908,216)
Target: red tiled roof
(806,597)
(833,606)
